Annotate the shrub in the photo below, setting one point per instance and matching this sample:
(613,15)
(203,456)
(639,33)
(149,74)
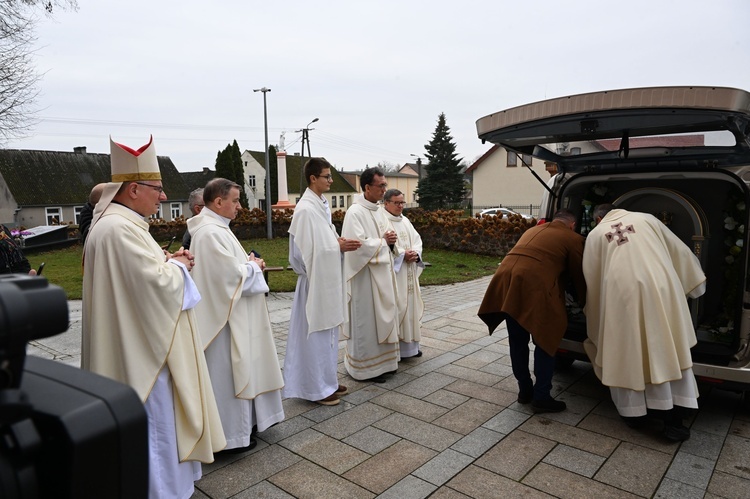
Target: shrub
(442,229)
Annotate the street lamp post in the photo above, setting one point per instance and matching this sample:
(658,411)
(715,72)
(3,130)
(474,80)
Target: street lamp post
(419,168)
(305,138)
(419,165)
(269,213)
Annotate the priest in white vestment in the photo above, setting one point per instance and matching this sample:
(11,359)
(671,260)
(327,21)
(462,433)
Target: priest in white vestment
(640,331)
(233,320)
(408,266)
(316,256)
(372,327)
(139,325)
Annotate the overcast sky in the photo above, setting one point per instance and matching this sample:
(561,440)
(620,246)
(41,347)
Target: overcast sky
(377,74)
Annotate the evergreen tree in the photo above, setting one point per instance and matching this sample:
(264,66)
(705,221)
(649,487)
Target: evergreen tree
(224,165)
(229,166)
(442,186)
(239,171)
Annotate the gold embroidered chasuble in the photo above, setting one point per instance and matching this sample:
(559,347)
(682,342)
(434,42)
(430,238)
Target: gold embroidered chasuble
(638,274)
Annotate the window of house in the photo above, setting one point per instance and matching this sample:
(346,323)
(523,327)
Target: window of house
(157,215)
(175,209)
(333,201)
(54,215)
(341,201)
(251,181)
(512,159)
(526,158)
(77,214)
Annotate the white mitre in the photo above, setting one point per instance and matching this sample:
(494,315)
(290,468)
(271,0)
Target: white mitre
(128,165)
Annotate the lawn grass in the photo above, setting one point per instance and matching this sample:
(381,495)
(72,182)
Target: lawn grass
(63,266)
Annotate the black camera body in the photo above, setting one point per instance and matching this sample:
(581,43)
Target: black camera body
(64,432)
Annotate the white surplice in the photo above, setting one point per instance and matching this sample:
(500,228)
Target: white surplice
(318,308)
(410,304)
(372,327)
(236,330)
(168,477)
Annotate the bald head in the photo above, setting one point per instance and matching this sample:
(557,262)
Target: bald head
(96,193)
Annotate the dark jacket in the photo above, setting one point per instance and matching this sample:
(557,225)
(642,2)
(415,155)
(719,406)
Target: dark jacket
(87,213)
(12,260)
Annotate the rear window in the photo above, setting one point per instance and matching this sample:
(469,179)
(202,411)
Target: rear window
(722,138)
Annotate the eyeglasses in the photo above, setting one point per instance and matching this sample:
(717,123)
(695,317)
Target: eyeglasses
(398,203)
(379,186)
(328,177)
(157,188)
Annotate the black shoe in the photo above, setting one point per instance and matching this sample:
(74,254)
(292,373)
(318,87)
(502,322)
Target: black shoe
(240,450)
(390,373)
(418,354)
(525,391)
(676,433)
(376,379)
(634,421)
(548,405)
(524,398)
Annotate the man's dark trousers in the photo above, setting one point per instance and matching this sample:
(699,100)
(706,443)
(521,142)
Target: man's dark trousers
(544,364)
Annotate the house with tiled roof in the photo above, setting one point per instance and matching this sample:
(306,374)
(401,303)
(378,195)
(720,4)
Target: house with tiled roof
(499,178)
(51,187)
(340,196)
(199,179)
(414,169)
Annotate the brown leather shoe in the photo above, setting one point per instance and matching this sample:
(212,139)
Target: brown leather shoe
(332,399)
(341,390)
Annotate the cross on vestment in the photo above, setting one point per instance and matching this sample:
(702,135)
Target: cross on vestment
(619,233)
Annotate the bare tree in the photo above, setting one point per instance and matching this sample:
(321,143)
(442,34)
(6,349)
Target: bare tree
(387,166)
(18,78)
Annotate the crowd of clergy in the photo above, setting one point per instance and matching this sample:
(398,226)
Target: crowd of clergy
(194,340)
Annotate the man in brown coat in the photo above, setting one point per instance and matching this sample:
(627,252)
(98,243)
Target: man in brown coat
(528,293)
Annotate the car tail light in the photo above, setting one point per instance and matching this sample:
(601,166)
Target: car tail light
(710,380)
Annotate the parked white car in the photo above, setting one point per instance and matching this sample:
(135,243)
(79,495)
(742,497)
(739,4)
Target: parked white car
(492,212)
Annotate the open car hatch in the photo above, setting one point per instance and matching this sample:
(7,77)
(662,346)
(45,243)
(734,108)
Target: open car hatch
(687,128)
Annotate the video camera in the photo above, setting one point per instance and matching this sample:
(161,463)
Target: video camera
(64,432)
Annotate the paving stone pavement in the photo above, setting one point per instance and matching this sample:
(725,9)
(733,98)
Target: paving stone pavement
(447,425)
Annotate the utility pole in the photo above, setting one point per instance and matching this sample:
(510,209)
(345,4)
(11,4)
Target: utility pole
(305,138)
(269,212)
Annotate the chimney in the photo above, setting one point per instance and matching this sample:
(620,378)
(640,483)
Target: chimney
(80,150)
